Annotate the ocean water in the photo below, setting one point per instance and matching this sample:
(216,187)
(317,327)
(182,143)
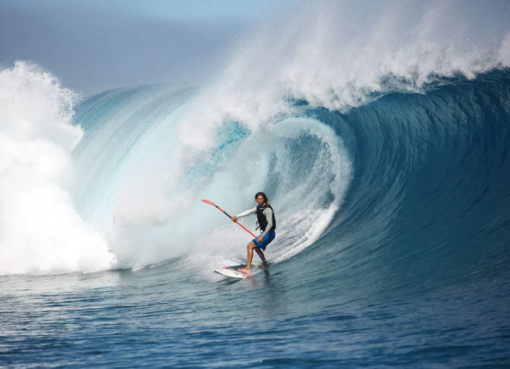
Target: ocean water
(385,156)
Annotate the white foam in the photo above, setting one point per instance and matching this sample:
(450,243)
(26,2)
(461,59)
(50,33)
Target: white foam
(40,230)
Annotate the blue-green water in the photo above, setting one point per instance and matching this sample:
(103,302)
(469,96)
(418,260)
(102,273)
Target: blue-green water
(413,270)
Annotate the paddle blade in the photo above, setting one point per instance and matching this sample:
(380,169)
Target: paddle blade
(209,202)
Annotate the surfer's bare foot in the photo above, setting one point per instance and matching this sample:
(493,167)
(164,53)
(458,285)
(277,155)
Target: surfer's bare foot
(264,266)
(245,270)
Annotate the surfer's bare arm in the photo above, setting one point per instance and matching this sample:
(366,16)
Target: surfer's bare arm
(268,213)
(244,214)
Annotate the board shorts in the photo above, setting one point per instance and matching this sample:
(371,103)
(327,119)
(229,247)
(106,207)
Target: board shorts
(268,238)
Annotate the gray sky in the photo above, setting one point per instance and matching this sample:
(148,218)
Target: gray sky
(92,45)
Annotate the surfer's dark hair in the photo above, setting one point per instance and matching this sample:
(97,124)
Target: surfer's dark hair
(263,195)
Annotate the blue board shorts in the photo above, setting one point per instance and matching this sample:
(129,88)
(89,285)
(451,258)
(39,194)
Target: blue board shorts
(268,238)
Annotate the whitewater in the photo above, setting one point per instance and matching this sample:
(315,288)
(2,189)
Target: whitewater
(379,132)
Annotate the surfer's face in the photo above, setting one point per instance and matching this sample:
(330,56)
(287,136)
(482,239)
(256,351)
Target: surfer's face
(260,200)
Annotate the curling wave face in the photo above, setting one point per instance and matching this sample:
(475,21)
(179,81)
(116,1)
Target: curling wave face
(408,189)
(426,206)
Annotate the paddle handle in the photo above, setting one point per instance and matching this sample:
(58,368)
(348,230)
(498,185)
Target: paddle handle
(240,225)
(224,212)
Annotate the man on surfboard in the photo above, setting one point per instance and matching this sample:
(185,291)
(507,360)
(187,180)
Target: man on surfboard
(267,224)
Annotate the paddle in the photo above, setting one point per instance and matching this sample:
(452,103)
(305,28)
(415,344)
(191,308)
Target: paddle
(224,212)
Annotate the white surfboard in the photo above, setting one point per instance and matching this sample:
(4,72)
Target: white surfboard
(233,271)
(229,272)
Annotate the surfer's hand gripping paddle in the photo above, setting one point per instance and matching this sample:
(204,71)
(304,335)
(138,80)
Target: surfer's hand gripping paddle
(224,212)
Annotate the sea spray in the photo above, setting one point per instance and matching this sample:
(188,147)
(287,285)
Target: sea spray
(40,230)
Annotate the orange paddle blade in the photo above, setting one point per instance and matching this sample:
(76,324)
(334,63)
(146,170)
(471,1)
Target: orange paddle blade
(209,202)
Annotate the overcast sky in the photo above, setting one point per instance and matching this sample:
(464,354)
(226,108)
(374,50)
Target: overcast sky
(92,45)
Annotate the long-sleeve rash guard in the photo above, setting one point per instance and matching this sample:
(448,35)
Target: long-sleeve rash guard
(268,213)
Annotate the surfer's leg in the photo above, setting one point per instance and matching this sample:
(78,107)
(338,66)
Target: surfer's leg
(250,248)
(261,256)
(261,247)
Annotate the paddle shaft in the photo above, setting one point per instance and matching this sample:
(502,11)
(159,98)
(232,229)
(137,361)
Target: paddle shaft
(224,212)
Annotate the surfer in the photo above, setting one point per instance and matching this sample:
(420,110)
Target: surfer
(267,224)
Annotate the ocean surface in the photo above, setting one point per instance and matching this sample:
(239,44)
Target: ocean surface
(389,177)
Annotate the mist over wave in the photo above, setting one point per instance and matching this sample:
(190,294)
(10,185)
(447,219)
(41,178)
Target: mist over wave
(319,117)
(340,55)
